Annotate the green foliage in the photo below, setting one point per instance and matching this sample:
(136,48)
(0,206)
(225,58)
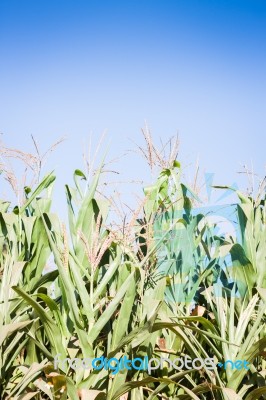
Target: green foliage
(84,290)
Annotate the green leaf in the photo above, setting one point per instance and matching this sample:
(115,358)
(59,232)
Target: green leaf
(78,172)
(256,393)
(176,164)
(51,328)
(9,329)
(128,386)
(46,182)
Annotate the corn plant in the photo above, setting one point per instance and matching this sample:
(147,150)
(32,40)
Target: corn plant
(172,287)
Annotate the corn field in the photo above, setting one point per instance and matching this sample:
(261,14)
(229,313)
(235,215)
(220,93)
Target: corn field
(165,284)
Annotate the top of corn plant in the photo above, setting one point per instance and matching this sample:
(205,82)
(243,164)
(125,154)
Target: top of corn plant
(167,286)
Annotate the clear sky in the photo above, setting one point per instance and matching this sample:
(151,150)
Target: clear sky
(78,68)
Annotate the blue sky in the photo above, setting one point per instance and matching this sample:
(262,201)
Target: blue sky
(79,68)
